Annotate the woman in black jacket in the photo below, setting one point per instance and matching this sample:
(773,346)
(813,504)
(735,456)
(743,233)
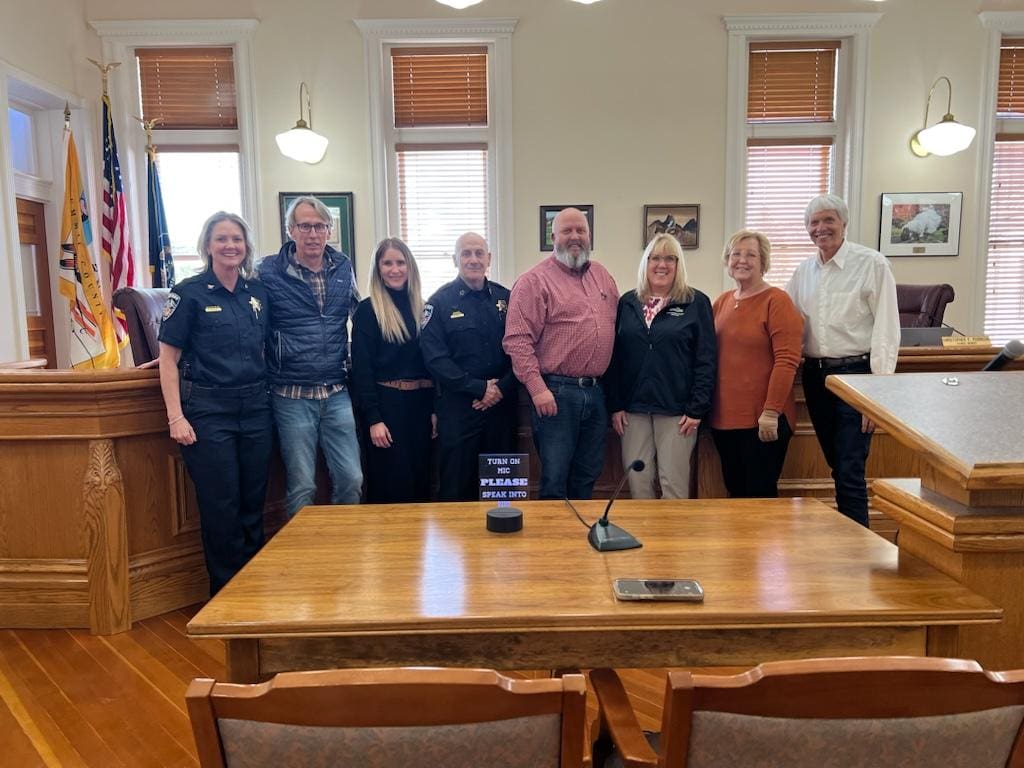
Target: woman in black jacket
(392,391)
(662,372)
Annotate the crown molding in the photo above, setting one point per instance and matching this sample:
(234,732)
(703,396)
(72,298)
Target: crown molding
(185,29)
(1002,21)
(375,28)
(812,23)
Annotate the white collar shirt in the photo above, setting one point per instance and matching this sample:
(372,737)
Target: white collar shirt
(849,306)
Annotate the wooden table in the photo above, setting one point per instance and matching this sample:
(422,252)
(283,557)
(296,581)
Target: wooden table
(428,585)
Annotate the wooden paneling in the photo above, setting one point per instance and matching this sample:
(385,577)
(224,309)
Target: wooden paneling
(86,479)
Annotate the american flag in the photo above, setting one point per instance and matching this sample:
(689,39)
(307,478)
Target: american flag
(115,238)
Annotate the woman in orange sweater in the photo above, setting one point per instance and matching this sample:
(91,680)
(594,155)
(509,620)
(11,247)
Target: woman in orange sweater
(759,345)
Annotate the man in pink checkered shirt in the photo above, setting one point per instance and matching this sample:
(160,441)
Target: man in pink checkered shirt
(559,333)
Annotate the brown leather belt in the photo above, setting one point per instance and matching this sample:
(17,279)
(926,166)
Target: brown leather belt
(407,384)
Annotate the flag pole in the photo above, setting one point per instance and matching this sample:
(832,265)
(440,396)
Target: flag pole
(105,71)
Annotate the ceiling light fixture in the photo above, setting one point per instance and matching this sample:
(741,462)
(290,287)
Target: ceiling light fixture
(946,137)
(458,4)
(302,142)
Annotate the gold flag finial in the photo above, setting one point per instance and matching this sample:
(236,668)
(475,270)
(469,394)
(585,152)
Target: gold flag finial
(147,126)
(105,71)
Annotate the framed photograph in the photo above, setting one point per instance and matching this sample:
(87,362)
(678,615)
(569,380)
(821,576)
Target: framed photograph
(547,216)
(343,229)
(678,219)
(920,223)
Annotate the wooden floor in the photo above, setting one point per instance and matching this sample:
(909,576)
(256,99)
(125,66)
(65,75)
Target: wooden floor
(69,698)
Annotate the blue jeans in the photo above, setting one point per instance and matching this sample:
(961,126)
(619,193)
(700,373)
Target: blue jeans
(571,443)
(301,425)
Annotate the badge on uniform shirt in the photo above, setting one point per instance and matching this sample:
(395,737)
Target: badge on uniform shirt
(171,304)
(501,304)
(456,315)
(257,306)
(213,309)
(428,312)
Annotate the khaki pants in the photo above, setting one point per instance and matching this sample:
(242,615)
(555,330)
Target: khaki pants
(656,441)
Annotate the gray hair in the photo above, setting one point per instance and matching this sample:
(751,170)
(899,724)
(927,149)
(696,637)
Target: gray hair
(827,203)
(203,245)
(320,208)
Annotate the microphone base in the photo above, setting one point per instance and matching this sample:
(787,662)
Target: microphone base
(611,538)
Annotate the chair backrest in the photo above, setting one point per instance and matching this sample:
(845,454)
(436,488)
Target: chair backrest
(923,306)
(850,712)
(389,717)
(143,309)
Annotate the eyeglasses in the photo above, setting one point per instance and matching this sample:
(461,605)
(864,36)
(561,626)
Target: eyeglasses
(319,227)
(662,259)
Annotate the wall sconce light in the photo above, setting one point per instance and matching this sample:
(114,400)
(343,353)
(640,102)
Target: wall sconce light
(946,137)
(302,142)
(585,2)
(458,4)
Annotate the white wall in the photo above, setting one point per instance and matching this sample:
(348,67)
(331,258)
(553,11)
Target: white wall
(620,103)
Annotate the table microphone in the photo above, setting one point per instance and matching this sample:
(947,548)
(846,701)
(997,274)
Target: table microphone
(1013,350)
(605,537)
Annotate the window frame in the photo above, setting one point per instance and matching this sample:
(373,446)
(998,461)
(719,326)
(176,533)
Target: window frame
(379,37)
(120,39)
(851,98)
(998,24)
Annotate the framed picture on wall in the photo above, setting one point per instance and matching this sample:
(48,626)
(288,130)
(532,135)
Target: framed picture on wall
(340,204)
(547,216)
(682,220)
(920,223)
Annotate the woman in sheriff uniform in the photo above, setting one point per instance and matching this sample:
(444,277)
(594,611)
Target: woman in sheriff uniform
(213,379)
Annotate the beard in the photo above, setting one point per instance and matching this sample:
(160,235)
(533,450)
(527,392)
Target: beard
(565,256)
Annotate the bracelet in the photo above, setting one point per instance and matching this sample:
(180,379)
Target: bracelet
(175,420)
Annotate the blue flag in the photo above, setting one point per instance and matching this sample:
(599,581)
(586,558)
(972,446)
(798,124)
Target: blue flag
(161,263)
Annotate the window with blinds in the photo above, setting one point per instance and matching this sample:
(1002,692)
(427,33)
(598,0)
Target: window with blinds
(439,86)
(1004,273)
(188,88)
(441,152)
(791,127)
(191,94)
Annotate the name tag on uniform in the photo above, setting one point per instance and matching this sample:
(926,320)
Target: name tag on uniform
(456,314)
(212,309)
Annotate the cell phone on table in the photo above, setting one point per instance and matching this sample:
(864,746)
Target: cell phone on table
(684,590)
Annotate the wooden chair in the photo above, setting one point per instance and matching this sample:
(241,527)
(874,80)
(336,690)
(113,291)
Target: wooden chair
(390,717)
(852,712)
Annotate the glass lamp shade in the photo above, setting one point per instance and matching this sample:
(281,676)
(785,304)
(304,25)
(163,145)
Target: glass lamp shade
(946,137)
(302,143)
(585,2)
(459,4)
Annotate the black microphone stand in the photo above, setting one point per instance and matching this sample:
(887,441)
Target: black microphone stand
(608,537)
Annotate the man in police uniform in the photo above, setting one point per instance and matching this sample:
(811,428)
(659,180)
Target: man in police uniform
(463,325)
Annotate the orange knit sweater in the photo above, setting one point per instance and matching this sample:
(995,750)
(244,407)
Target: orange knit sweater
(759,348)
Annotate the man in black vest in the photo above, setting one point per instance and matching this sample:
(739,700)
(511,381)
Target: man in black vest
(312,292)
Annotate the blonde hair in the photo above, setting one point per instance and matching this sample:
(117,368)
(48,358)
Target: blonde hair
(392,327)
(247,266)
(764,247)
(680,290)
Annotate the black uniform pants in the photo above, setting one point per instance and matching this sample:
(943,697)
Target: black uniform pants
(465,433)
(228,466)
(401,473)
(751,468)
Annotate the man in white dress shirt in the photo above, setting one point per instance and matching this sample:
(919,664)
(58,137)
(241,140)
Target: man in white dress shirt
(847,296)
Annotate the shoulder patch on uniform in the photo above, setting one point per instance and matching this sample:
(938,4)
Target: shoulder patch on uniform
(428,312)
(171,304)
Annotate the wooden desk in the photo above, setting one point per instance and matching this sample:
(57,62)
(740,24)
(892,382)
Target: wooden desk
(965,515)
(428,585)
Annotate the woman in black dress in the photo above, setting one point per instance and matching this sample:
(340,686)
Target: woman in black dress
(392,391)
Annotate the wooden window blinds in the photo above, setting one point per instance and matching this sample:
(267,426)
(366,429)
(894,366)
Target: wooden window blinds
(792,81)
(439,86)
(188,88)
(1010,93)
